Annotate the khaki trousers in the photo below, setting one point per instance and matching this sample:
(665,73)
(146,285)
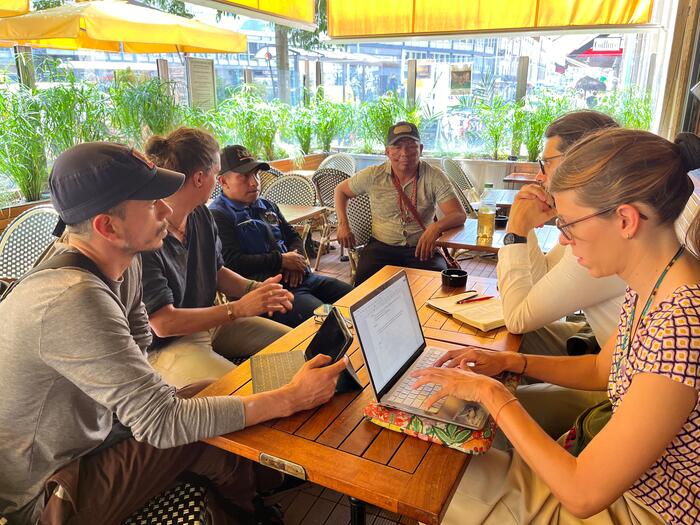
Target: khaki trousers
(203,355)
(499,488)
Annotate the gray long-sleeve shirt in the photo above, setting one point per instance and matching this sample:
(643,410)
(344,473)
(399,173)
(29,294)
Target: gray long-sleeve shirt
(72,354)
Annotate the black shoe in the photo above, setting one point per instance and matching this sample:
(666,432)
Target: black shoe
(267,514)
(289,483)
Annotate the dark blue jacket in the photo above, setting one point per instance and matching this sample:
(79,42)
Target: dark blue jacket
(254,237)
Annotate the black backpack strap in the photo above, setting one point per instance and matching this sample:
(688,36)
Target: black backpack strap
(62,260)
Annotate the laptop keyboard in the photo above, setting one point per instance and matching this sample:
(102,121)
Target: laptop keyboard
(404,394)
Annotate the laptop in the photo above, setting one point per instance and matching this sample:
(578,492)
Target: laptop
(393,345)
(271,371)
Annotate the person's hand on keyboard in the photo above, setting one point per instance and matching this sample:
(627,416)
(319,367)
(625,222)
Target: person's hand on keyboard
(486,362)
(315,383)
(455,382)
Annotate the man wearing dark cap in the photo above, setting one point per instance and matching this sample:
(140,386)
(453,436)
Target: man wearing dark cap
(73,347)
(258,242)
(405,193)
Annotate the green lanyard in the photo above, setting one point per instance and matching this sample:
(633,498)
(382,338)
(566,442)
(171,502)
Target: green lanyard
(626,342)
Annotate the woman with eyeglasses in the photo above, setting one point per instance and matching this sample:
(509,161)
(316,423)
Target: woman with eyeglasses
(618,193)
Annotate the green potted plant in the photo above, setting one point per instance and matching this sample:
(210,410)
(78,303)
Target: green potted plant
(74,112)
(141,107)
(301,126)
(330,119)
(22,144)
(494,116)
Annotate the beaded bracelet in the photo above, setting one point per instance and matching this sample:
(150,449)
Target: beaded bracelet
(251,283)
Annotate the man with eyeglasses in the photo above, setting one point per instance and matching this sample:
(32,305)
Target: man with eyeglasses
(405,194)
(257,241)
(538,290)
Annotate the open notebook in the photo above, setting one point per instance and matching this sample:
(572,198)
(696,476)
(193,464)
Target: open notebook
(483,315)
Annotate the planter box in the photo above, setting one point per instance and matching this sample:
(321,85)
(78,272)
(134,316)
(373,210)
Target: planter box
(311,162)
(9,213)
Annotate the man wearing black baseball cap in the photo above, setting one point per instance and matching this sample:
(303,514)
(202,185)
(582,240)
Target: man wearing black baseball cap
(74,365)
(405,193)
(258,242)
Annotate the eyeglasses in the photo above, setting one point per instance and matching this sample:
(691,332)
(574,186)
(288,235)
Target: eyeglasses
(545,161)
(565,227)
(409,147)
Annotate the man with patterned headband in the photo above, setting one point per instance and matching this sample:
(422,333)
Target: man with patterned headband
(405,194)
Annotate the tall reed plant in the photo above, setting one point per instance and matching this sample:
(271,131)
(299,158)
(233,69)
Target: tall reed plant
(74,112)
(22,144)
(141,107)
(331,119)
(253,121)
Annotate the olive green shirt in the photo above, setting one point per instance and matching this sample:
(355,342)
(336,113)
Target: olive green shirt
(388,226)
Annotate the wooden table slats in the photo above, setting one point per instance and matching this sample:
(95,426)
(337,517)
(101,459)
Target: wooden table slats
(339,448)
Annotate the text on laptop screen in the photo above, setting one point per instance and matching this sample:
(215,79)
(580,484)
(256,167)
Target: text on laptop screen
(390,331)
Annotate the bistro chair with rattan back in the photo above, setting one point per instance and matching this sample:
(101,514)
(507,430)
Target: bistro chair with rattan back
(267,177)
(293,189)
(25,239)
(360,222)
(458,175)
(184,503)
(326,180)
(341,162)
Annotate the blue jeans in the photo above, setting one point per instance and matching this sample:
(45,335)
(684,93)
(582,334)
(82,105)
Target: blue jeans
(313,291)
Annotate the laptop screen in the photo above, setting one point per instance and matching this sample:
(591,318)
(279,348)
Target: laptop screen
(389,330)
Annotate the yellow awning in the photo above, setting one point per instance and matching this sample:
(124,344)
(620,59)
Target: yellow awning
(294,13)
(14,7)
(369,18)
(116,25)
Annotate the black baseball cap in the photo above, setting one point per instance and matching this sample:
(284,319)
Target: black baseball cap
(238,158)
(91,178)
(402,130)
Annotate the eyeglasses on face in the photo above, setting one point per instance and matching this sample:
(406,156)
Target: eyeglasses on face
(565,227)
(545,162)
(408,146)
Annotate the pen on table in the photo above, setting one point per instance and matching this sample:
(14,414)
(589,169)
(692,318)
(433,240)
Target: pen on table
(473,300)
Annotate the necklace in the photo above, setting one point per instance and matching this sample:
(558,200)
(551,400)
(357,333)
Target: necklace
(626,339)
(406,214)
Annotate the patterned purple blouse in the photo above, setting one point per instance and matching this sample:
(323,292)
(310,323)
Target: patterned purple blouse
(667,342)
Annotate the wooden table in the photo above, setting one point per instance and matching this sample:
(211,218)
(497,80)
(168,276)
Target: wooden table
(295,213)
(504,198)
(464,238)
(520,178)
(338,448)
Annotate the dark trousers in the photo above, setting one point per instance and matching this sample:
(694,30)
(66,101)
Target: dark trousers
(375,255)
(313,291)
(108,486)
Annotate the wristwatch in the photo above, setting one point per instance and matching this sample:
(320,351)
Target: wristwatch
(511,238)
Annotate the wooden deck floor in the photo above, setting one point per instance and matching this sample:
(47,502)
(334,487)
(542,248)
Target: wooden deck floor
(311,504)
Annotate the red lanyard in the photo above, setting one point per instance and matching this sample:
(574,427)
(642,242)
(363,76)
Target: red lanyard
(406,214)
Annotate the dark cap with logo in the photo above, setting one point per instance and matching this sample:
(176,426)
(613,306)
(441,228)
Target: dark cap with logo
(238,159)
(92,178)
(402,130)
